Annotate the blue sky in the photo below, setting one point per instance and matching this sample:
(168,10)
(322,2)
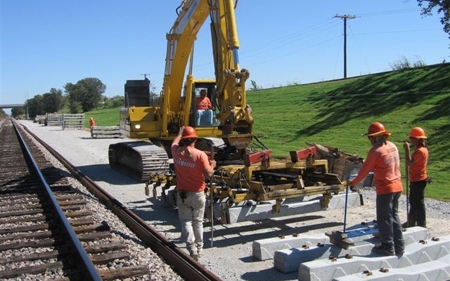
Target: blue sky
(48,43)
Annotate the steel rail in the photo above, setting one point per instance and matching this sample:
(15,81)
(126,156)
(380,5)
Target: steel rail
(183,264)
(88,268)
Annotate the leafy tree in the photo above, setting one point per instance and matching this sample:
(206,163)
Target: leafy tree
(52,101)
(72,96)
(116,101)
(86,94)
(17,112)
(443,8)
(75,107)
(35,106)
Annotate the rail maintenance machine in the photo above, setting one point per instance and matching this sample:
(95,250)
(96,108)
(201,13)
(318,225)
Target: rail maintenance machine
(245,176)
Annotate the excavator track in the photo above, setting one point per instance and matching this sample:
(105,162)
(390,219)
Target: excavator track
(138,159)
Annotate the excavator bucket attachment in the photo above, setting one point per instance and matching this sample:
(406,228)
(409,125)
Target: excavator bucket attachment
(138,159)
(240,141)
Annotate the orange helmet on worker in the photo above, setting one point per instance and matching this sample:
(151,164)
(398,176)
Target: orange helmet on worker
(377,129)
(188,132)
(417,133)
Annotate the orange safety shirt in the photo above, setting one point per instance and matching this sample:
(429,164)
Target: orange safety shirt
(190,165)
(203,103)
(418,170)
(384,161)
(91,122)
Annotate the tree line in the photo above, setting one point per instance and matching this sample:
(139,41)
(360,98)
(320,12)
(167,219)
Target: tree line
(83,96)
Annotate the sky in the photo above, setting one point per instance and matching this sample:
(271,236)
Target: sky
(48,43)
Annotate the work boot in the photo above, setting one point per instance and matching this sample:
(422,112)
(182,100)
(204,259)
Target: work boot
(383,251)
(192,250)
(399,252)
(405,225)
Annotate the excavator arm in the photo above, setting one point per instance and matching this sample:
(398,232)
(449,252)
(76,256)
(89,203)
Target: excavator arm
(180,42)
(234,112)
(234,115)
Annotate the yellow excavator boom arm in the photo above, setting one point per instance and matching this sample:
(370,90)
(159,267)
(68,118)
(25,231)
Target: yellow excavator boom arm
(234,114)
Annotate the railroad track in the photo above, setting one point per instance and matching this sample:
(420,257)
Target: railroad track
(34,240)
(14,225)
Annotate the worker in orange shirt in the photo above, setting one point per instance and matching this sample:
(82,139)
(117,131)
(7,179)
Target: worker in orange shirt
(203,102)
(383,158)
(417,164)
(91,122)
(204,109)
(192,167)
(91,125)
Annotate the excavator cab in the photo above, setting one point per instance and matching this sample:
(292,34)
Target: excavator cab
(203,113)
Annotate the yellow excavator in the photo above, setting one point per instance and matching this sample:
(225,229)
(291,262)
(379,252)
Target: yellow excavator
(245,170)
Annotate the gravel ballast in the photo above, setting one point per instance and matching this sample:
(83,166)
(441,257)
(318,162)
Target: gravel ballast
(231,255)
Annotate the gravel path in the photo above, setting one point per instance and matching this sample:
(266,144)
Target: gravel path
(231,255)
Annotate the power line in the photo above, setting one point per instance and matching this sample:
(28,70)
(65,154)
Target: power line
(345,17)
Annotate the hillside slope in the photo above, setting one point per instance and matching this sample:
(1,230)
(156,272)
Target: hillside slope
(336,113)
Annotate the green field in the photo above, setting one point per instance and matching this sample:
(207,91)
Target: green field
(336,113)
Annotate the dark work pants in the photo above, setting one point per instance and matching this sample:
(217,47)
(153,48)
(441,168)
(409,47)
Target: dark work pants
(417,213)
(389,225)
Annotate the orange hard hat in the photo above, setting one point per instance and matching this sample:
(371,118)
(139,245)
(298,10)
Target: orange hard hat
(188,132)
(417,133)
(377,129)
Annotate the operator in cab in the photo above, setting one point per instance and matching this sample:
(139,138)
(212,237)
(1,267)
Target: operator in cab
(204,110)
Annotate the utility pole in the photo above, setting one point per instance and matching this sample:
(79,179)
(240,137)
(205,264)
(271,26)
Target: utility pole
(345,17)
(145,75)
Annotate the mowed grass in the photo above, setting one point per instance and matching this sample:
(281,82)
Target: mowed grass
(103,117)
(337,113)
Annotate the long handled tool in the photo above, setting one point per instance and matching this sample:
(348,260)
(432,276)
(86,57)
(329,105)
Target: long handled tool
(345,207)
(340,238)
(407,189)
(407,157)
(211,199)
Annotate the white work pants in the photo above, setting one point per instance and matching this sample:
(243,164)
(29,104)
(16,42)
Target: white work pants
(191,213)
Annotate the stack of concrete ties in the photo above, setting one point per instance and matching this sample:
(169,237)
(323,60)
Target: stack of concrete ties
(264,249)
(73,121)
(319,260)
(425,259)
(105,132)
(54,119)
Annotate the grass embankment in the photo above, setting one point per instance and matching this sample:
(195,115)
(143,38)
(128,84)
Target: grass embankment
(336,113)
(103,117)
